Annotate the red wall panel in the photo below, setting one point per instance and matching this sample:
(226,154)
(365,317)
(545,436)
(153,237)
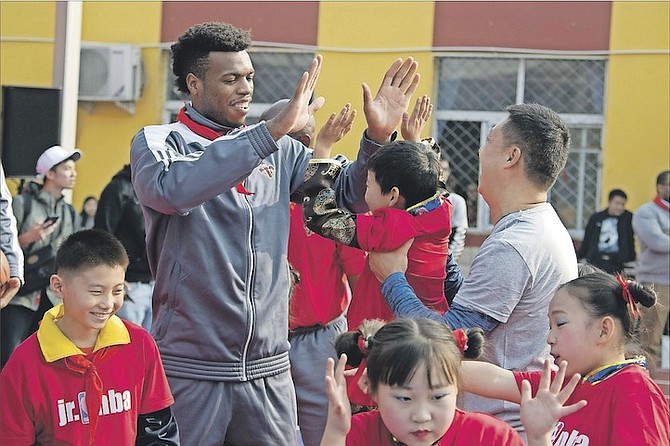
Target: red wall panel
(283,22)
(563,25)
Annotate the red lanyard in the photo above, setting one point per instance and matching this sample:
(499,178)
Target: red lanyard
(660,202)
(79,364)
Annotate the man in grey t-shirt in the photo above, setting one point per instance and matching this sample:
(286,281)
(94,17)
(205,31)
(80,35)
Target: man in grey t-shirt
(521,264)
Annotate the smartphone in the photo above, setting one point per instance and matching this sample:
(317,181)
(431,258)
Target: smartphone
(50,220)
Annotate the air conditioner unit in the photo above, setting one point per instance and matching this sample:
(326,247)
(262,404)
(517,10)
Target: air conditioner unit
(110,72)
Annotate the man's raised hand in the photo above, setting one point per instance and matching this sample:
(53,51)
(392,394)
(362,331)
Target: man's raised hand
(384,113)
(298,110)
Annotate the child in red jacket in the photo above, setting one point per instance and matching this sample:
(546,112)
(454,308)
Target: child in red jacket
(405,202)
(413,374)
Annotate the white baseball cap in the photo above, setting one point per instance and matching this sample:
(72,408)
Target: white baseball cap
(52,156)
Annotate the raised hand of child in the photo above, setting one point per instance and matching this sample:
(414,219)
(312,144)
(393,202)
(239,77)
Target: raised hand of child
(384,113)
(412,125)
(333,130)
(540,414)
(339,409)
(37,232)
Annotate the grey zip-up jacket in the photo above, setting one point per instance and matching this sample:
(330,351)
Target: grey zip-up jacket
(651,224)
(218,255)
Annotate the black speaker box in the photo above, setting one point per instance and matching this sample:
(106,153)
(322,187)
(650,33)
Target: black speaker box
(31,119)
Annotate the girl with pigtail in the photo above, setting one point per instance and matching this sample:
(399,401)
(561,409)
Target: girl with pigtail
(594,326)
(355,344)
(413,375)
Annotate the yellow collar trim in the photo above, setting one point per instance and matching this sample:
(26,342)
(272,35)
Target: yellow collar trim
(422,203)
(55,345)
(610,369)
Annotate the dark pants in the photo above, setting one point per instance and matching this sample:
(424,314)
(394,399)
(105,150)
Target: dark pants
(17,323)
(454,279)
(607,263)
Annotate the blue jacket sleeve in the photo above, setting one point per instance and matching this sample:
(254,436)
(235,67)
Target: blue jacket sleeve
(403,301)
(454,278)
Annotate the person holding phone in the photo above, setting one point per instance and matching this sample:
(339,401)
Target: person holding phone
(51,220)
(43,218)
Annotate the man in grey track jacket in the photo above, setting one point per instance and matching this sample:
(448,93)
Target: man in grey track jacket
(215,196)
(651,223)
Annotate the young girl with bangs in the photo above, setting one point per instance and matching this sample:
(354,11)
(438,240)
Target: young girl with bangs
(413,374)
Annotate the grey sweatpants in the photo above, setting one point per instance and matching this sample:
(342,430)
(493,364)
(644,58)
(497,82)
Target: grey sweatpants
(309,350)
(654,320)
(251,413)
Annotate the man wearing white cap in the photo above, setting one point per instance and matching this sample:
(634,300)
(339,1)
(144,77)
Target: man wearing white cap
(43,219)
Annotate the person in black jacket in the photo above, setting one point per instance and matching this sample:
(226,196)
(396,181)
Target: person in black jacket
(120,213)
(608,238)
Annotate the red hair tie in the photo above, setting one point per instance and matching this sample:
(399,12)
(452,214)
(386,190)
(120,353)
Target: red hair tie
(628,298)
(461,338)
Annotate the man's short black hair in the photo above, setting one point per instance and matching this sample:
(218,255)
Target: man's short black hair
(191,51)
(662,177)
(543,138)
(411,167)
(617,193)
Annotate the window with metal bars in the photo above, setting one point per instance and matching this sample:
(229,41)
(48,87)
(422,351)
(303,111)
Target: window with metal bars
(277,73)
(472,93)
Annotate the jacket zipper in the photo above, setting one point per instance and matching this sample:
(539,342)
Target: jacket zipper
(250,303)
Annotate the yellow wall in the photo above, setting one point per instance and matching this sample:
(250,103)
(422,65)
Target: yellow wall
(384,28)
(26,48)
(104,130)
(27,63)
(637,135)
(359,40)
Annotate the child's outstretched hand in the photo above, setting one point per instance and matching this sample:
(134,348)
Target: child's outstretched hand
(339,409)
(540,414)
(333,130)
(412,125)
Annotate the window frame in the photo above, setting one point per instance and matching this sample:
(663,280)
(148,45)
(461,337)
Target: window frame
(488,119)
(172,106)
